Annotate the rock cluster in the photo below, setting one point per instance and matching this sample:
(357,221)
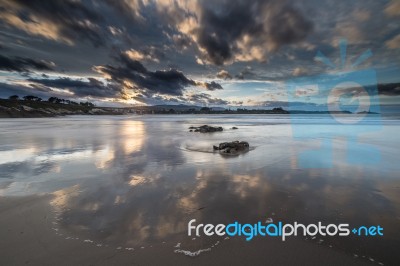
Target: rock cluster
(205,129)
(233,147)
(228,148)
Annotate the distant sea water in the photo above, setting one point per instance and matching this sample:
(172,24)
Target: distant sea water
(135,180)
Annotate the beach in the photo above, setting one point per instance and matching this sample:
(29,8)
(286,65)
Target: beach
(28,238)
(119,190)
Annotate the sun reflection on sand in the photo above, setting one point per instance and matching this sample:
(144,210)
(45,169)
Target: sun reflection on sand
(136,180)
(132,133)
(61,197)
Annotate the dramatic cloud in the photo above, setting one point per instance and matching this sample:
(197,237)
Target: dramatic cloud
(389,89)
(181,41)
(129,8)
(212,86)
(20,64)
(245,73)
(227,31)
(190,99)
(223,74)
(148,54)
(38,90)
(204,98)
(166,51)
(65,21)
(134,76)
(81,88)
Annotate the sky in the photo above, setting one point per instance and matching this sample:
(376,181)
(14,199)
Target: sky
(228,53)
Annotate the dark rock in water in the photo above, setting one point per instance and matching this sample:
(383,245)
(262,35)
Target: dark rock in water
(233,147)
(190,130)
(206,129)
(234,128)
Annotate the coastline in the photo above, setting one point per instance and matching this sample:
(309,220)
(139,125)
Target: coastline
(38,109)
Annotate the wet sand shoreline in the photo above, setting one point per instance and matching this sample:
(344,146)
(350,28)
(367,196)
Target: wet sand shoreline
(28,238)
(127,182)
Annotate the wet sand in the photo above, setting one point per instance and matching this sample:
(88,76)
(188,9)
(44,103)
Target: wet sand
(113,185)
(28,238)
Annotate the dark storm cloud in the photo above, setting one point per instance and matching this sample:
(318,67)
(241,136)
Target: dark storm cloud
(267,24)
(153,53)
(80,88)
(20,64)
(204,98)
(288,25)
(220,27)
(193,99)
(245,73)
(181,41)
(7,90)
(389,89)
(64,87)
(212,86)
(129,9)
(170,82)
(68,21)
(242,73)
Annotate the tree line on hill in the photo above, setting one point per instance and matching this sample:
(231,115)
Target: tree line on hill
(54,100)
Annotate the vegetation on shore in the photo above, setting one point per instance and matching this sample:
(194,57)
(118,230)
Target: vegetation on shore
(32,106)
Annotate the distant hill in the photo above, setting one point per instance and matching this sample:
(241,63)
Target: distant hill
(178,107)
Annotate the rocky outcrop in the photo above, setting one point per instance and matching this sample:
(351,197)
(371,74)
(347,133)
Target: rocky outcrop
(234,147)
(205,129)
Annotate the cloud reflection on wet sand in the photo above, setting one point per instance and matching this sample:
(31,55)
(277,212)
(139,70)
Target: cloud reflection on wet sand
(127,182)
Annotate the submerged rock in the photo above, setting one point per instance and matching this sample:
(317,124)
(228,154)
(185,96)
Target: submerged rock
(234,128)
(205,129)
(233,147)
